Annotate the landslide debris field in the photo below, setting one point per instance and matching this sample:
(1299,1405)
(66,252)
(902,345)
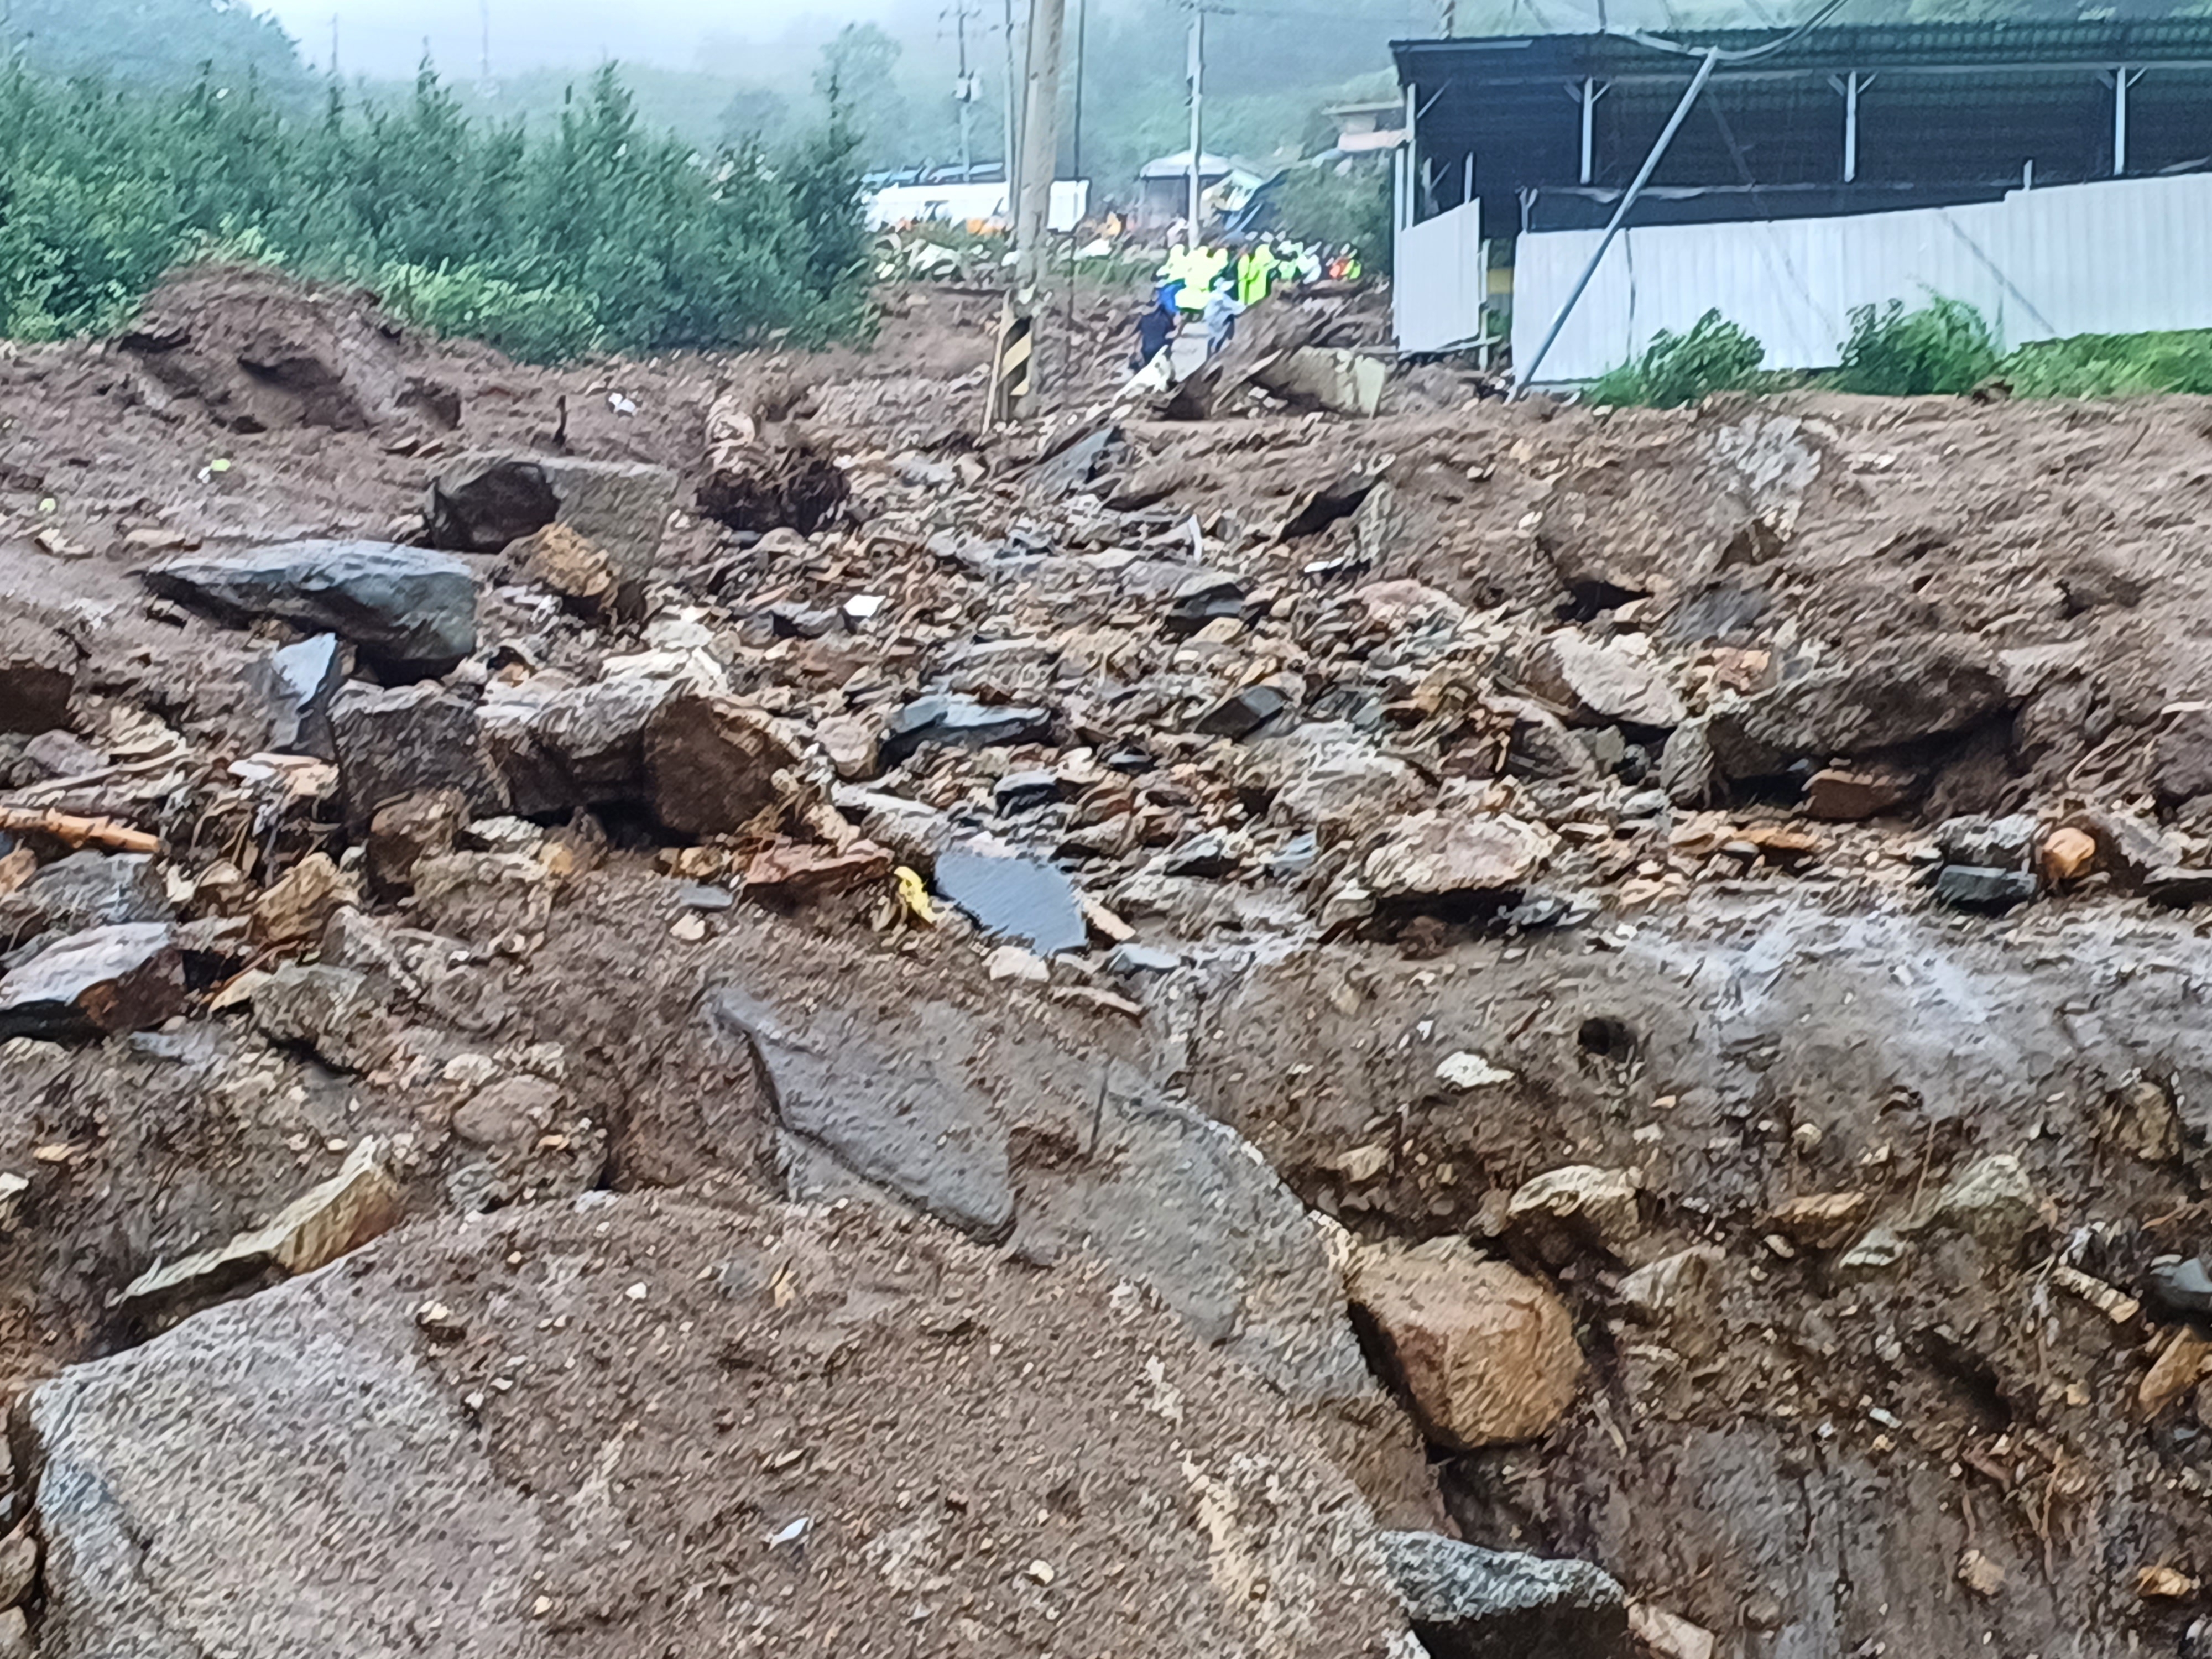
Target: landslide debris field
(684,1008)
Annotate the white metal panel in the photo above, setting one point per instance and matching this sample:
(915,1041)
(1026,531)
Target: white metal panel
(2120,257)
(900,204)
(1439,281)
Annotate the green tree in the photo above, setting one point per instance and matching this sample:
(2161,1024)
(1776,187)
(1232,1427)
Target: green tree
(600,235)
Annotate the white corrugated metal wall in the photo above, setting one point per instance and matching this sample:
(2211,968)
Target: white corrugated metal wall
(1438,281)
(2117,257)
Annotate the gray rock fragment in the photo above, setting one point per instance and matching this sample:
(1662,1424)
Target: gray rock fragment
(96,983)
(1467,1602)
(412,612)
(297,684)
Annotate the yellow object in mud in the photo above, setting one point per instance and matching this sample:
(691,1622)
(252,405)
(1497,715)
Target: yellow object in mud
(913,894)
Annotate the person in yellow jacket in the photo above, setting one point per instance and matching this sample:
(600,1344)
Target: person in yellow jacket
(1255,275)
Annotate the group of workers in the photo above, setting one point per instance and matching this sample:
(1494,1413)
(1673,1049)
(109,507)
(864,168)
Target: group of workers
(1219,284)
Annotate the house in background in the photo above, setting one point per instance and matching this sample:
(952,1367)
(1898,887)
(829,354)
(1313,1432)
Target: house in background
(1362,127)
(1163,188)
(2056,175)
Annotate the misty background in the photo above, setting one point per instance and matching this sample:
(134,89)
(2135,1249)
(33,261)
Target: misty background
(720,71)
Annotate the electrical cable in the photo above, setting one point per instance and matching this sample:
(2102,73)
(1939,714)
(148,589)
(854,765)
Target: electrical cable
(1749,54)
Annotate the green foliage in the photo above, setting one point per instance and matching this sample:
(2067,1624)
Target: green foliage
(1945,346)
(1715,356)
(2113,366)
(598,235)
(536,324)
(1339,204)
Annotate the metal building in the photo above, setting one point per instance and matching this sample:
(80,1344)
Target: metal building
(1518,139)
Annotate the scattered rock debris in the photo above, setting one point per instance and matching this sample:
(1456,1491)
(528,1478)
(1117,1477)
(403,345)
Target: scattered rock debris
(1221,1026)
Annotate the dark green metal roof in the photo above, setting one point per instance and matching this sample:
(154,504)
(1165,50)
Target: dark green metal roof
(1867,47)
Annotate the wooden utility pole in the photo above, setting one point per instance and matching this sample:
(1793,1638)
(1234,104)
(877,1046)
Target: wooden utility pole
(1014,378)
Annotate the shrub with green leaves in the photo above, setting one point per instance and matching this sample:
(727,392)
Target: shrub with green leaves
(1715,356)
(1945,346)
(597,235)
(2113,366)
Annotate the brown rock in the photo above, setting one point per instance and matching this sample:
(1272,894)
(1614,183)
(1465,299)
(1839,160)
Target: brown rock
(2144,1123)
(37,673)
(797,870)
(710,764)
(1602,683)
(1566,1211)
(2175,1373)
(292,915)
(563,562)
(1780,843)
(405,832)
(483,895)
(1487,1354)
(1439,854)
(1823,1221)
(323,1224)
(512,1112)
(1665,1636)
(1679,1295)
(1980,1575)
(2068,856)
(850,741)
(2163,1583)
(1841,795)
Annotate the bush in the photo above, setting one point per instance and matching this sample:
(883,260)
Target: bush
(2113,366)
(1715,356)
(1943,348)
(541,325)
(597,235)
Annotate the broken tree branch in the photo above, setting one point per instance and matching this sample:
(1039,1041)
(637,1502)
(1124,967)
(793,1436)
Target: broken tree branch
(104,833)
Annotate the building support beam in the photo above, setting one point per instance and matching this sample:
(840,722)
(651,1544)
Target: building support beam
(1525,378)
(2121,79)
(1589,92)
(1850,87)
(1411,151)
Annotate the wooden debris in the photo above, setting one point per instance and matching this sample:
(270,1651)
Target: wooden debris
(71,830)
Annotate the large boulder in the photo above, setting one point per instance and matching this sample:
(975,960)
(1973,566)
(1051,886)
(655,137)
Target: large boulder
(412,612)
(1487,1354)
(1467,1602)
(38,674)
(96,983)
(648,1425)
(1903,691)
(483,502)
(1172,1199)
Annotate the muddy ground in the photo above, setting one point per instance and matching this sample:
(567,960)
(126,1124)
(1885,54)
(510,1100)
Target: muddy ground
(1897,1098)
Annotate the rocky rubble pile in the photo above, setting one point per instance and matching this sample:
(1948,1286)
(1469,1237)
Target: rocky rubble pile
(949,1043)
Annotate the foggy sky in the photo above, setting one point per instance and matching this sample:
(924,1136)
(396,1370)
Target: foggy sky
(386,37)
